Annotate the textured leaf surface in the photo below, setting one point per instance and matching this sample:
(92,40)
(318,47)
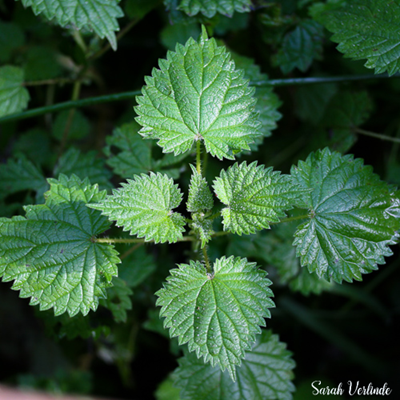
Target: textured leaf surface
(352,217)
(218,314)
(135,155)
(97,15)
(210,7)
(84,165)
(301,46)
(50,253)
(265,373)
(198,95)
(13,96)
(200,197)
(144,206)
(254,197)
(368,29)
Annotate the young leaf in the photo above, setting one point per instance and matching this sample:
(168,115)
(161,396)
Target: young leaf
(51,254)
(200,197)
(13,96)
(368,29)
(301,46)
(84,165)
(254,197)
(217,313)
(144,206)
(265,373)
(352,217)
(97,15)
(198,95)
(210,7)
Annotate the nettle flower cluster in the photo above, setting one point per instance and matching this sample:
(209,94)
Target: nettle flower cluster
(198,100)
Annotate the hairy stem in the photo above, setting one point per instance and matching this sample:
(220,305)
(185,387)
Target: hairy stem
(198,157)
(131,241)
(207,260)
(376,135)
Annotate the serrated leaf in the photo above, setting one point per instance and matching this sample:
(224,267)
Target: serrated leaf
(11,37)
(135,156)
(254,196)
(265,373)
(144,206)
(118,300)
(301,46)
(218,313)
(368,29)
(178,33)
(202,228)
(97,15)
(351,223)
(13,96)
(198,95)
(210,7)
(21,174)
(200,197)
(50,253)
(84,165)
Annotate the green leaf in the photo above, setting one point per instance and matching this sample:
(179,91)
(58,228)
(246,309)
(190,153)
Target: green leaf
(368,29)
(84,165)
(76,124)
(198,95)
(217,313)
(11,37)
(144,206)
(51,254)
(118,300)
(97,15)
(254,197)
(135,156)
(265,373)
(352,217)
(13,96)
(210,7)
(167,391)
(21,174)
(301,46)
(202,228)
(178,33)
(200,197)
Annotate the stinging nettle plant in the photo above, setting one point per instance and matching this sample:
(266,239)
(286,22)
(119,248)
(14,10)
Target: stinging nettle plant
(199,102)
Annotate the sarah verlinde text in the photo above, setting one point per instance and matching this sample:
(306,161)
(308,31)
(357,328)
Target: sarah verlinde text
(353,388)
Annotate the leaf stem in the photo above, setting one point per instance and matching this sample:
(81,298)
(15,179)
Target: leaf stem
(55,81)
(207,260)
(129,95)
(136,240)
(198,157)
(290,219)
(376,135)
